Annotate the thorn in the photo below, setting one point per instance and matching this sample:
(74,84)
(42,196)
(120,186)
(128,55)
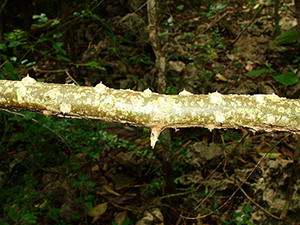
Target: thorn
(155,132)
(147,92)
(28,80)
(101,87)
(185,93)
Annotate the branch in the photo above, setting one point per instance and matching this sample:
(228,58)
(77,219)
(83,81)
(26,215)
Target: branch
(148,109)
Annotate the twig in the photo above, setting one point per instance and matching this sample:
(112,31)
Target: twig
(214,22)
(4,3)
(20,114)
(121,207)
(290,188)
(252,20)
(55,71)
(66,71)
(239,187)
(159,220)
(3,63)
(200,185)
(263,209)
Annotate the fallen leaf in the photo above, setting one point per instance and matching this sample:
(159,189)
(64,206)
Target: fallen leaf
(109,190)
(98,210)
(287,152)
(121,217)
(270,155)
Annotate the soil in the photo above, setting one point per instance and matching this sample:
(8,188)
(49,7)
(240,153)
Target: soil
(219,173)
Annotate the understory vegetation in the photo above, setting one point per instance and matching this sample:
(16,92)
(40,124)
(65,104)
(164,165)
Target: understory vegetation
(65,171)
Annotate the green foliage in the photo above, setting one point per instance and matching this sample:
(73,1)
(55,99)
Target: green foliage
(151,188)
(126,222)
(42,139)
(213,9)
(287,37)
(17,202)
(289,78)
(256,73)
(19,43)
(241,218)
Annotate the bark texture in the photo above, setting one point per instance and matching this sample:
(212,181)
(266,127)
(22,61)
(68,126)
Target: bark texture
(148,109)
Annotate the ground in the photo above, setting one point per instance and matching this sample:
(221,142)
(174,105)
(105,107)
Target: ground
(66,171)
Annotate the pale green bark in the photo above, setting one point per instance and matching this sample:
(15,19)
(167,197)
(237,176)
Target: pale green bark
(256,112)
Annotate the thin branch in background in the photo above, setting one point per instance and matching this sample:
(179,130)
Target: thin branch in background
(4,3)
(252,20)
(58,135)
(292,181)
(239,187)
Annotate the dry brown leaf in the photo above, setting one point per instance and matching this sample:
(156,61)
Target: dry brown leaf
(98,210)
(121,217)
(109,190)
(287,152)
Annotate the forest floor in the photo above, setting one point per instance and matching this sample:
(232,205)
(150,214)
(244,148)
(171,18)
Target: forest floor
(193,176)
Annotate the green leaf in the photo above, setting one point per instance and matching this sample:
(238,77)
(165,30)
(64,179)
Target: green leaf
(202,35)
(221,6)
(29,218)
(94,64)
(289,78)
(28,115)
(3,56)
(55,22)
(256,73)
(270,155)
(95,16)
(189,34)
(24,61)
(247,209)
(180,7)
(44,18)
(89,205)
(58,35)
(79,199)
(30,64)
(60,57)
(82,177)
(286,37)
(238,214)
(3,47)
(214,55)
(90,184)
(13,59)
(8,66)
(126,221)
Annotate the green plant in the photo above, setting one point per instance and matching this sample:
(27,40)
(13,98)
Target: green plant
(22,203)
(152,187)
(213,9)
(241,217)
(288,78)
(287,37)
(18,201)
(53,213)
(126,222)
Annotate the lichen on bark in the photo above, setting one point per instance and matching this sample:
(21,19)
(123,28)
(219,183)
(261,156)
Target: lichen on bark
(152,110)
